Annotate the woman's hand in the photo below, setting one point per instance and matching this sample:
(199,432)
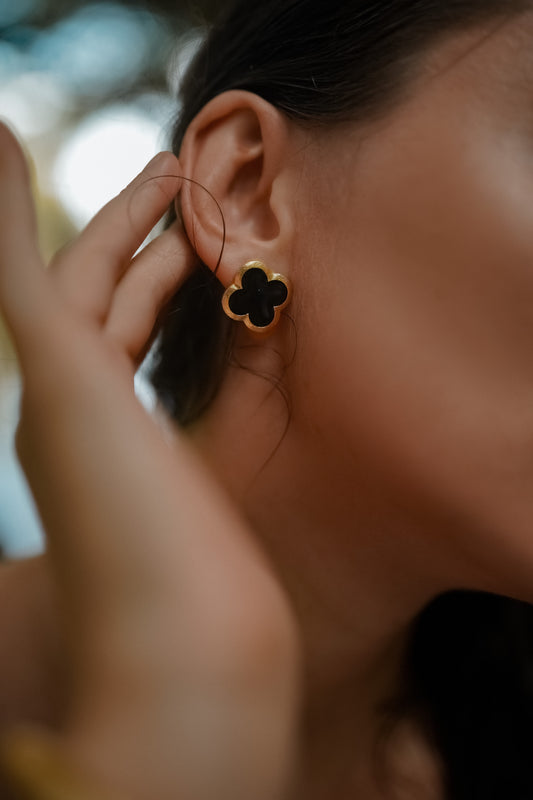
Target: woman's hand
(182,647)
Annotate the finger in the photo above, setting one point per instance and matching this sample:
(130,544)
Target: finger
(22,277)
(89,268)
(155,275)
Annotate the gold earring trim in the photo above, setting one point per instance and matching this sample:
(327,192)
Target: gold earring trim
(261,304)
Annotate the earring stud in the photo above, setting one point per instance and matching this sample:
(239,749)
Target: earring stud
(257,297)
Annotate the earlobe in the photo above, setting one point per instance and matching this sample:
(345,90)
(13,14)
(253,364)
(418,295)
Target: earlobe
(238,149)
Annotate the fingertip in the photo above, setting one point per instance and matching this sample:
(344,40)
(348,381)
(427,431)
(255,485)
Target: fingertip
(21,269)
(165,159)
(14,154)
(8,130)
(162,177)
(163,165)
(162,171)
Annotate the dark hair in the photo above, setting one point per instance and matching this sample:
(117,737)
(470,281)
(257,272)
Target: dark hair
(469,668)
(469,681)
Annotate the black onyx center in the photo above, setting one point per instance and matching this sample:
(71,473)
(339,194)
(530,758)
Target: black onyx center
(258,297)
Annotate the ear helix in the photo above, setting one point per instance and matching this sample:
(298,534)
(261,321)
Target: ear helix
(257,297)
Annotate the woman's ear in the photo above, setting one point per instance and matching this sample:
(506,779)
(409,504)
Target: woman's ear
(239,148)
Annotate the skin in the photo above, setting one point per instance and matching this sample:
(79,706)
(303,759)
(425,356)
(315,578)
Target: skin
(165,670)
(405,468)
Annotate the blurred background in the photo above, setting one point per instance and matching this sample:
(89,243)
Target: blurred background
(91,89)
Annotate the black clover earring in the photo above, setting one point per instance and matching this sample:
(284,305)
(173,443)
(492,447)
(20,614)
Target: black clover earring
(257,296)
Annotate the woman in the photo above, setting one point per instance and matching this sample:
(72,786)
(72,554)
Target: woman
(252,603)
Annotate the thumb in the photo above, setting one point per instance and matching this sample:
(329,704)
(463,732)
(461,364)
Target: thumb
(22,276)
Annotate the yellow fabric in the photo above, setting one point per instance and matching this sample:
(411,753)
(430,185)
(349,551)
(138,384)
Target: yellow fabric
(39,769)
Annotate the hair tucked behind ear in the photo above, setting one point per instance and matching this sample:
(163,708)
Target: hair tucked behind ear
(194,347)
(469,669)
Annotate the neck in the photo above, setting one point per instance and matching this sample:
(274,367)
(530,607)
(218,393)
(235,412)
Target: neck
(354,564)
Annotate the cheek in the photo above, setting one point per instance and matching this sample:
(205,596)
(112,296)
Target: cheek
(425,343)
